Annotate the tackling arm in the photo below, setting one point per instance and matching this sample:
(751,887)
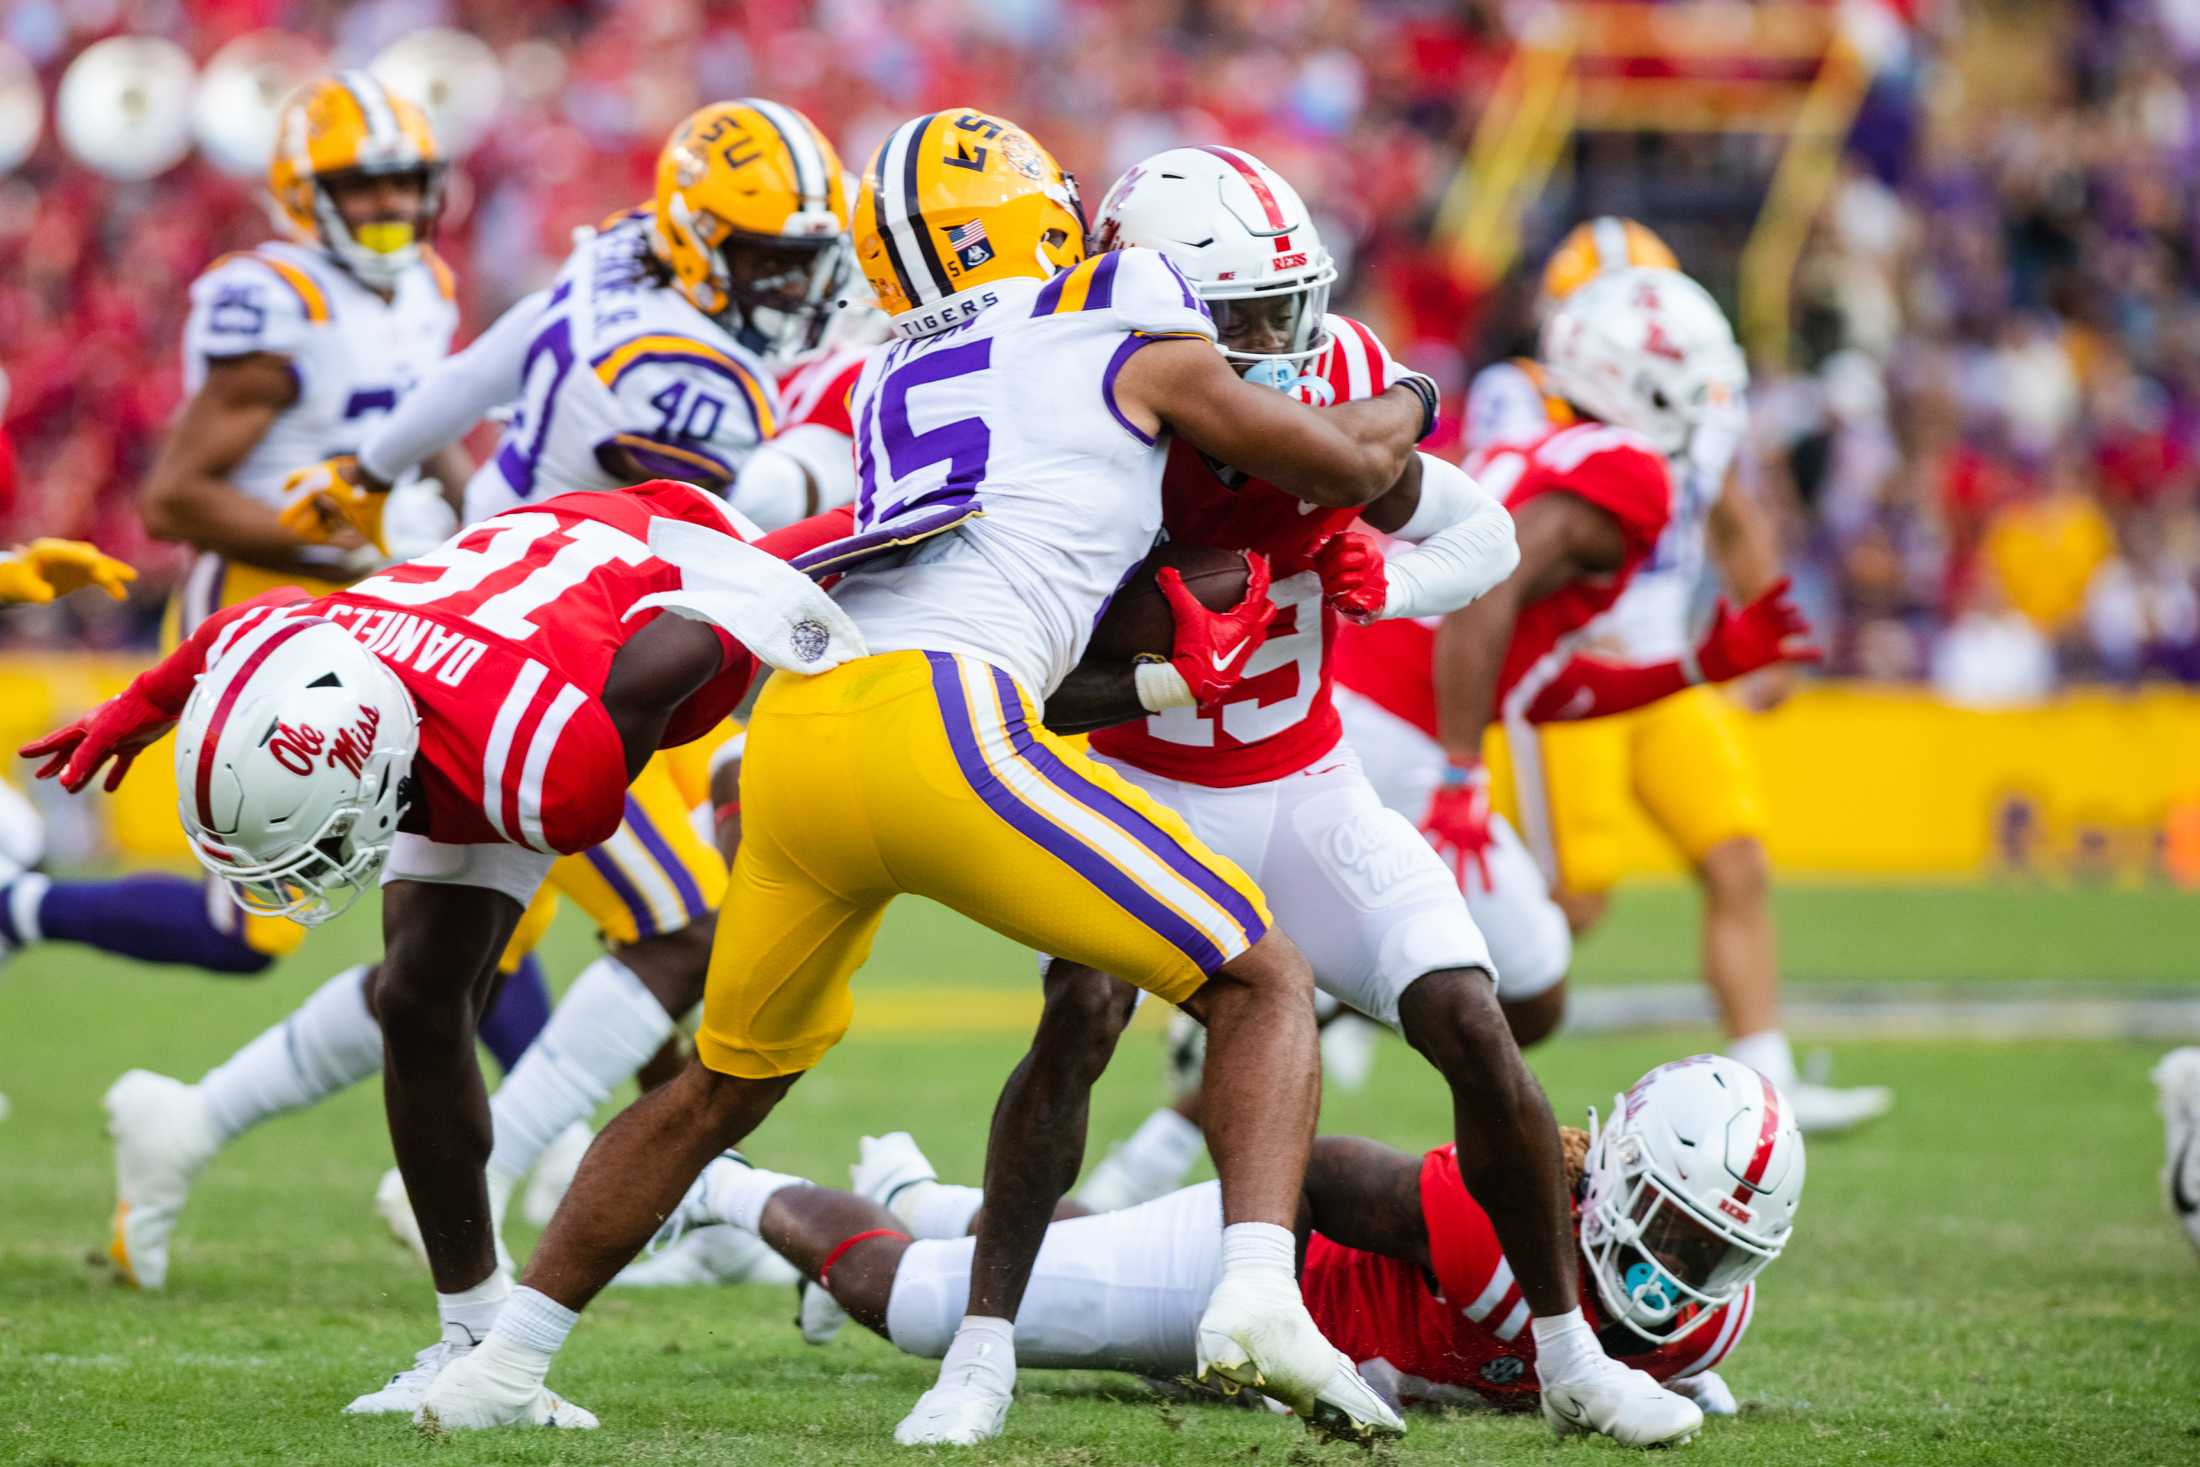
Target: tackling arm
(1368,1196)
(652,675)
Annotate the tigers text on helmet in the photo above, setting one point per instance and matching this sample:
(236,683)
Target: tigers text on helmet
(954,203)
(1689,1191)
(293,759)
(751,218)
(1644,349)
(343,128)
(1597,246)
(1244,239)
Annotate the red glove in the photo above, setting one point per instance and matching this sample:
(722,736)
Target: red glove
(120,728)
(1458,824)
(1769,629)
(1354,582)
(1212,647)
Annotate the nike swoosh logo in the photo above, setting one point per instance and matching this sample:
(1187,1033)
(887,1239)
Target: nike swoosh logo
(1224,659)
(1568,1410)
(2185,1203)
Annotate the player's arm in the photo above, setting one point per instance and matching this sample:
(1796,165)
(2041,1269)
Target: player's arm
(1768,632)
(188,494)
(457,393)
(1207,656)
(1368,1196)
(652,675)
(1746,549)
(1463,546)
(1338,456)
(1562,537)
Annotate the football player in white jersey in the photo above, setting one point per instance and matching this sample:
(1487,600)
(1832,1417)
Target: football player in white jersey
(1010,446)
(1683,760)
(292,351)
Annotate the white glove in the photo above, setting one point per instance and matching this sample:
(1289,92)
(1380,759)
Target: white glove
(1711,1395)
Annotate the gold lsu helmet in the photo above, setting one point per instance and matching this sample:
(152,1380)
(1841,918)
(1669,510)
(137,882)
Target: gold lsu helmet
(751,219)
(957,201)
(350,126)
(1596,246)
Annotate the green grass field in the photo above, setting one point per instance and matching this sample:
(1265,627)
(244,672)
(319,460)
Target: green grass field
(1986,1278)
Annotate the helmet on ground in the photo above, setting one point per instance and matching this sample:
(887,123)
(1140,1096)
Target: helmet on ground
(1644,349)
(293,763)
(954,203)
(751,219)
(1597,246)
(1244,239)
(1689,1191)
(344,129)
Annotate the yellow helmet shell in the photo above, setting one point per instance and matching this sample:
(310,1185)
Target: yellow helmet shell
(956,201)
(1600,245)
(336,124)
(748,167)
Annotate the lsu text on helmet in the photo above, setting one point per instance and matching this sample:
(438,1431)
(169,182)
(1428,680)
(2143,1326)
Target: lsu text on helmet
(1644,349)
(751,219)
(340,131)
(953,203)
(1244,239)
(1690,1190)
(293,762)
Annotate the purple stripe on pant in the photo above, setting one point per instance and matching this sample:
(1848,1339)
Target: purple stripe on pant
(645,920)
(653,840)
(947,688)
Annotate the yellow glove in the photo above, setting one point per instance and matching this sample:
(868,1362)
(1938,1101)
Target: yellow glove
(47,568)
(321,499)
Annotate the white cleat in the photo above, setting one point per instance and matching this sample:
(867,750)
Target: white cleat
(1623,1404)
(958,1413)
(719,1253)
(396,1211)
(473,1394)
(1712,1395)
(407,1388)
(1827,1110)
(887,1164)
(1257,1334)
(163,1139)
(2177,1086)
(554,1173)
(819,1315)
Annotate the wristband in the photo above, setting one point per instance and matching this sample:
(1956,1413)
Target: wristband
(1464,776)
(1160,685)
(1424,388)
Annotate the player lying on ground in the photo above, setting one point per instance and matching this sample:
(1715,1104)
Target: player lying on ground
(1018,430)
(452,726)
(1682,1199)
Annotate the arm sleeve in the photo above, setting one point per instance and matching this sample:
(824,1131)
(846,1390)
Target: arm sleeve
(1465,545)
(1150,295)
(777,483)
(444,405)
(1589,687)
(241,306)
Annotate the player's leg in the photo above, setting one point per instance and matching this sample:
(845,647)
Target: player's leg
(1531,939)
(153,917)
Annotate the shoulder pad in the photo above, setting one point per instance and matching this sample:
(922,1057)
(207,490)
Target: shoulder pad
(1139,288)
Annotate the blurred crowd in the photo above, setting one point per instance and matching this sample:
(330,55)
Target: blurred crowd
(1984,450)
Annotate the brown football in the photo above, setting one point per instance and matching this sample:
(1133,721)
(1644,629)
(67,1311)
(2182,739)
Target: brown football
(1139,620)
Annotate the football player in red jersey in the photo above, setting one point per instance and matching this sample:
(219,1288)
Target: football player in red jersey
(1639,357)
(1260,772)
(451,725)
(1688,1191)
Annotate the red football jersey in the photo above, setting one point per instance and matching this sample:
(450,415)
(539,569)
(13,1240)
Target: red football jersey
(1279,718)
(1467,1326)
(1392,663)
(817,391)
(504,636)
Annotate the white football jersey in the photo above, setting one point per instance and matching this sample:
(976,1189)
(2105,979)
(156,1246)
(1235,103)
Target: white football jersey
(353,353)
(615,357)
(1013,413)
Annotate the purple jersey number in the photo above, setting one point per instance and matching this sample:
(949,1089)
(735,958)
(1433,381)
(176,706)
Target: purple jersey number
(962,444)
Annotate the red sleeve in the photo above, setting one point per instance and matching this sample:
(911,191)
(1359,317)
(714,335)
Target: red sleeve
(1463,1251)
(1624,478)
(1589,687)
(829,409)
(807,535)
(167,684)
(1357,360)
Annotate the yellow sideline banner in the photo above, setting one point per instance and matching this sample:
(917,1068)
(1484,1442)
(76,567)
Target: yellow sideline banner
(1861,780)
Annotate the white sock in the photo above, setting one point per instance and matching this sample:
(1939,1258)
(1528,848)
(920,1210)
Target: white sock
(469,1315)
(936,1209)
(1260,1249)
(329,1043)
(1565,1346)
(736,1193)
(983,1353)
(24,895)
(1768,1053)
(1154,1160)
(603,1030)
(535,1325)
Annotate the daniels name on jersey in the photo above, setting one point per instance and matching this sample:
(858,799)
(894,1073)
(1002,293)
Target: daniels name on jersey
(1279,718)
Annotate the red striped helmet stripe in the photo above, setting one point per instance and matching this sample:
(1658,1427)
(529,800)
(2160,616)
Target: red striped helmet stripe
(1767,1133)
(1261,190)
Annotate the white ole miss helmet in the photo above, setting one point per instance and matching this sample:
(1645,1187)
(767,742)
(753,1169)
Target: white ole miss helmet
(1690,1191)
(293,763)
(1644,349)
(1243,238)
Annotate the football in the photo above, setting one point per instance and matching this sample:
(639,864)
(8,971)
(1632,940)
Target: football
(1139,620)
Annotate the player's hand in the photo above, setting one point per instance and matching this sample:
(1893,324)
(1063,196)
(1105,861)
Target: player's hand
(1212,647)
(47,568)
(120,728)
(1458,824)
(1769,630)
(321,501)
(1354,581)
